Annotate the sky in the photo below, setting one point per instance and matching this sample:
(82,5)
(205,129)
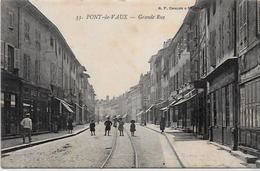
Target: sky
(115,51)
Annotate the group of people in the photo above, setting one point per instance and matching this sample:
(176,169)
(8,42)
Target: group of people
(26,124)
(108,125)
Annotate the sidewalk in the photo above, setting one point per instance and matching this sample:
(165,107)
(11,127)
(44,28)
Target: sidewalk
(197,153)
(39,139)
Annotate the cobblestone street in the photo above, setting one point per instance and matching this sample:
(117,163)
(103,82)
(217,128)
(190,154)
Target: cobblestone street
(82,150)
(86,151)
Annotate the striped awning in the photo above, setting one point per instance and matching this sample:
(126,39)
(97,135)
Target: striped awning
(65,104)
(173,102)
(149,108)
(164,108)
(184,100)
(78,105)
(140,113)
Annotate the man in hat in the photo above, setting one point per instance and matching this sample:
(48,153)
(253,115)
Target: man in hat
(26,124)
(107,124)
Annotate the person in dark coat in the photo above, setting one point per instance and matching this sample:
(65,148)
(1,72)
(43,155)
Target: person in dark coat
(70,125)
(92,127)
(132,128)
(121,127)
(162,124)
(107,124)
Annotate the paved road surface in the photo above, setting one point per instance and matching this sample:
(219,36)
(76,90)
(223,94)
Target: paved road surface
(85,151)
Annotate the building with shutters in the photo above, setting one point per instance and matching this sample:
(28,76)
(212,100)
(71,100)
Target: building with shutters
(222,72)
(40,73)
(248,50)
(10,80)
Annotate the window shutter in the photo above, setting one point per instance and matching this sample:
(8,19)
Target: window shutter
(6,57)
(39,71)
(223,105)
(231,104)
(2,54)
(244,30)
(29,68)
(258,16)
(24,66)
(17,58)
(243,24)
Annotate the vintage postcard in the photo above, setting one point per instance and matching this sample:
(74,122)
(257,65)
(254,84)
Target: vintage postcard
(147,84)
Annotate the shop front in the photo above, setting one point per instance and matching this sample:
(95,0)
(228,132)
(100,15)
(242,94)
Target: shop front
(11,114)
(189,112)
(36,101)
(61,112)
(249,130)
(223,95)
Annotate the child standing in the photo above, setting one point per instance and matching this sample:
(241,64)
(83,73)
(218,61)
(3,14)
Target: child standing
(132,128)
(92,127)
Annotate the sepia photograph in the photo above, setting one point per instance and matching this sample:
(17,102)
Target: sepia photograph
(130,84)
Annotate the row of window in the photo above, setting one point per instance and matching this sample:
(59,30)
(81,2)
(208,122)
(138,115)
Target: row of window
(243,21)
(182,76)
(250,104)
(52,42)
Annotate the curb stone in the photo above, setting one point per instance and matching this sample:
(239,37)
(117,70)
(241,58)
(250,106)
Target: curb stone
(19,147)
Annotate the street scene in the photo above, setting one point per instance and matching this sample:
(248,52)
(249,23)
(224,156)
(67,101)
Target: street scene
(130,84)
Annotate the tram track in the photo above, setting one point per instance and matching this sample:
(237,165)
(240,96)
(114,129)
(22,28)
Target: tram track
(115,151)
(111,152)
(136,164)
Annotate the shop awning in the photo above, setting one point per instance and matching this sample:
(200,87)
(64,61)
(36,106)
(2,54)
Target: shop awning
(140,113)
(173,102)
(25,104)
(165,108)
(149,108)
(231,61)
(161,103)
(65,104)
(78,105)
(184,100)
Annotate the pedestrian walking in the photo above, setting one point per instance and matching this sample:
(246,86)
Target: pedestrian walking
(70,124)
(108,125)
(162,124)
(132,127)
(26,124)
(121,127)
(92,127)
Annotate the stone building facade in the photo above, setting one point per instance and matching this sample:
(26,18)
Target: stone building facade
(248,50)
(40,73)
